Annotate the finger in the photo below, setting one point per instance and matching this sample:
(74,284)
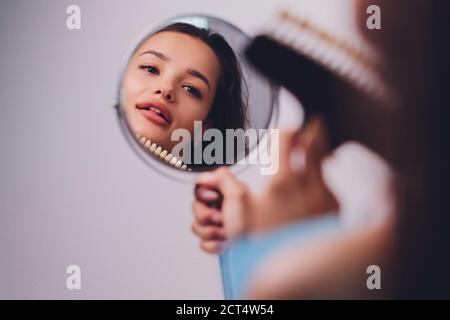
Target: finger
(212,247)
(211,197)
(293,156)
(206,194)
(208,232)
(288,140)
(297,160)
(205,215)
(222,179)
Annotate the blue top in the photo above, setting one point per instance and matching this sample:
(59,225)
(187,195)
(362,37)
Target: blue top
(244,254)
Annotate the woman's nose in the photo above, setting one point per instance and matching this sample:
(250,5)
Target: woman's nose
(166,93)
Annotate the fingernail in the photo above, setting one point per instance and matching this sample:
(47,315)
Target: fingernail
(207,194)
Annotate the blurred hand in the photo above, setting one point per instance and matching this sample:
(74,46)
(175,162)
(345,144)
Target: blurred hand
(213,225)
(362,182)
(296,191)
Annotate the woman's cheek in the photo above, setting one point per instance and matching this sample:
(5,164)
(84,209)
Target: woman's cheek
(198,115)
(134,85)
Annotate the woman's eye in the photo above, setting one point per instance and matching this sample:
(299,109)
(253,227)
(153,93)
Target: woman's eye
(192,90)
(149,69)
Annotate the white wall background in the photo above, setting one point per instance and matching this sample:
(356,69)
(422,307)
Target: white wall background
(71,190)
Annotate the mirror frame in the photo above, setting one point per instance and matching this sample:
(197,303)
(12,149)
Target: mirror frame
(155,164)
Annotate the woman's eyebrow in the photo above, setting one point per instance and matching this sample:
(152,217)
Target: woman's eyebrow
(199,75)
(160,55)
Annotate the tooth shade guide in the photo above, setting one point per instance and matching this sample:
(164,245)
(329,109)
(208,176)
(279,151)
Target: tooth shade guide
(161,153)
(173,161)
(357,64)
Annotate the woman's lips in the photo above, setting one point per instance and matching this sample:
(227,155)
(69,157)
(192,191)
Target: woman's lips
(158,114)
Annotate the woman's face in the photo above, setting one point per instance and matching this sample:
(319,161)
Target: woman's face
(170,82)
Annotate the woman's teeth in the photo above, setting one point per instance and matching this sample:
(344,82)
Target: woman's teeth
(161,153)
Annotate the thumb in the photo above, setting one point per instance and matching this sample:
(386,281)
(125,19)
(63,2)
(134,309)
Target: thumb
(221,179)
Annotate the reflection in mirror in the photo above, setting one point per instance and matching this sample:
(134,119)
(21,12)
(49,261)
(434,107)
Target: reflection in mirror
(188,97)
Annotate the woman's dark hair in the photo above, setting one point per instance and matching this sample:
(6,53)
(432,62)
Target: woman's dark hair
(422,72)
(229,107)
(417,49)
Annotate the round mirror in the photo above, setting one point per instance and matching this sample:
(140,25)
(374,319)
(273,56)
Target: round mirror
(188,100)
